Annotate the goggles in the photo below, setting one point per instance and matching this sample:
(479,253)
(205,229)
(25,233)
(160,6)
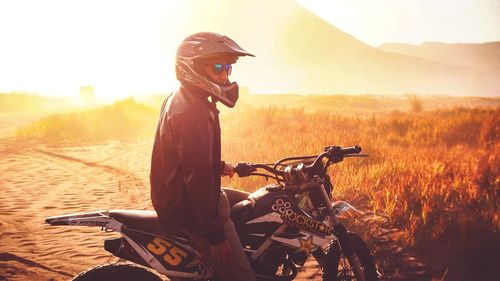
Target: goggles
(218,67)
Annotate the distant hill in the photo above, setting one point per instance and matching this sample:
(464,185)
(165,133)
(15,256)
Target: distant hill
(340,104)
(481,57)
(362,104)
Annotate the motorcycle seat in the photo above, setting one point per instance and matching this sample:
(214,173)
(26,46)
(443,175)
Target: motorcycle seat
(146,221)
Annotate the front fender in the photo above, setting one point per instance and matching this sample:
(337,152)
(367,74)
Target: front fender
(344,210)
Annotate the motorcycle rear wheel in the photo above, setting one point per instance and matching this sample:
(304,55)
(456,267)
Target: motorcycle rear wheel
(117,271)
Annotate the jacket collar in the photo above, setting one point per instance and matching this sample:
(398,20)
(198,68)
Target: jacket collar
(199,94)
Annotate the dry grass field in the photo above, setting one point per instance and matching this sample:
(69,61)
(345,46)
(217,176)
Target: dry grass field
(427,171)
(433,171)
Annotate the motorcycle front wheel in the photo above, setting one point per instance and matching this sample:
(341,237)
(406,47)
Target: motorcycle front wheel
(119,271)
(338,267)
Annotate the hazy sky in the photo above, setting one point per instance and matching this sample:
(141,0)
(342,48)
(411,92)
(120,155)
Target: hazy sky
(121,48)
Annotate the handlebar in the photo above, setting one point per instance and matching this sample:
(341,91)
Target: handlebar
(246,169)
(337,153)
(333,153)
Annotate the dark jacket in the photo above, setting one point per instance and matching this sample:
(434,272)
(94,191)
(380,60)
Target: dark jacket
(186,164)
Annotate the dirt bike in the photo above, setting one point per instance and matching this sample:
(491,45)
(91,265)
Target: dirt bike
(280,226)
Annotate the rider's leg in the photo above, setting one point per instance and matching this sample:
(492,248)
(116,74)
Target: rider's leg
(234,196)
(238,268)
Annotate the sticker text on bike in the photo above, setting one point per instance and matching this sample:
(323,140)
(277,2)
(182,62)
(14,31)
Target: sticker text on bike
(170,253)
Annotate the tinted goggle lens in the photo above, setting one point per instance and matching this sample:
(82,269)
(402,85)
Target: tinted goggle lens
(218,67)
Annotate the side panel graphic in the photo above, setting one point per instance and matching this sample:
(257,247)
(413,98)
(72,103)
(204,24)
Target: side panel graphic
(176,259)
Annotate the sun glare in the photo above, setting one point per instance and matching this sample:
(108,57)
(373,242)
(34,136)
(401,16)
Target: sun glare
(54,47)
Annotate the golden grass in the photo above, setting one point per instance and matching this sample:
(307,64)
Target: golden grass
(426,171)
(122,120)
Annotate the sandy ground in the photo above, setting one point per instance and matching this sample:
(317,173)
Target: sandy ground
(38,181)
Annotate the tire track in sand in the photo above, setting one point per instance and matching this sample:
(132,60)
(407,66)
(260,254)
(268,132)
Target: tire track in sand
(125,177)
(30,263)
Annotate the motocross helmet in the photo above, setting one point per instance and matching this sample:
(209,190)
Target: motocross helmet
(199,47)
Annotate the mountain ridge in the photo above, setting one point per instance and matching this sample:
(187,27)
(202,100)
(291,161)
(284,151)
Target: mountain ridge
(342,63)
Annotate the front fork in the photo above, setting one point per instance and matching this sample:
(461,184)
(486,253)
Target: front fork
(342,235)
(332,256)
(331,253)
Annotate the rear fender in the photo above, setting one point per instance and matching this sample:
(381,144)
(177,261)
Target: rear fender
(100,219)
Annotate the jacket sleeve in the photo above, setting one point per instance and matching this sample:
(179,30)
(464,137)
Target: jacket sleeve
(193,137)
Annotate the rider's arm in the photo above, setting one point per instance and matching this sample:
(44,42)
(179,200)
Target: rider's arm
(193,136)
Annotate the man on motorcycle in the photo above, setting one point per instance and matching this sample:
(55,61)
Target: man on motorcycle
(186,161)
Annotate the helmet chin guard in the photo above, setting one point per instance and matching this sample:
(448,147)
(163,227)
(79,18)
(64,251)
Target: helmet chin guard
(228,94)
(199,47)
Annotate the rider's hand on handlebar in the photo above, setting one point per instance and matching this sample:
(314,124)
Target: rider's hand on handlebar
(228,170)
(221,252)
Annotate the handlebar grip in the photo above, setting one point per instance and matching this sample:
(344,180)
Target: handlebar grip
(243,169)
(351,149)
